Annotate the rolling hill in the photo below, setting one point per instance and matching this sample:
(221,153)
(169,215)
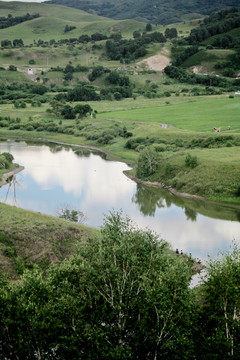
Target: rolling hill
(54,18)
(154,11)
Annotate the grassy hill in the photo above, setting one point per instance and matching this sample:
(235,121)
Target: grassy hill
(205,60)
(54,18)
(158,11)
(28,238)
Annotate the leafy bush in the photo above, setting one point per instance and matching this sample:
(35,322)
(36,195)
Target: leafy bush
(4,164)
(191,161)
(9,157)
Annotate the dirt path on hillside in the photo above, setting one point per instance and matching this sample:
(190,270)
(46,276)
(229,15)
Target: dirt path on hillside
(156,62)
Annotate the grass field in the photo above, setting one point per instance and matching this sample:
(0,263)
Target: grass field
(216,177)
(195,115)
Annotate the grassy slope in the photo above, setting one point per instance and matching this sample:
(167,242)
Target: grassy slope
(216,177)
(28,238)
(53,20)
(235,33)
(208,58)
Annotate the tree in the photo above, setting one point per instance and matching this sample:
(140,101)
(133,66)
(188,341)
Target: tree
(136,34)
(6,43)
(84,38)
(148,161)
(69,28)
(67,112)
(121,296)
(12,68)
(171,33)
(71,215)
(68,76)
(140,295)
(96,72)
(98,36)
(38,89)
(148,27)
(220,328)
(82,93)
(69,69)
(56,107)
(82,110)
(18,42)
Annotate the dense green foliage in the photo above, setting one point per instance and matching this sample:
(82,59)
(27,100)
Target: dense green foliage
(219,314)
(14,20)
(122,295)
(186,77)
(148,162)
(156,12)
(217,23)
(5,160)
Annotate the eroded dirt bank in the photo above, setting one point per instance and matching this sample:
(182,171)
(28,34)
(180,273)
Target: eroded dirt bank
(7,175)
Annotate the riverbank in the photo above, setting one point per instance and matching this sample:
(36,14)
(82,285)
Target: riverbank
(111,156)
(175,192)
(9,174)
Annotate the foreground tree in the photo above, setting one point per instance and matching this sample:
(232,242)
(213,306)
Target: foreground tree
(219,337)
(122,296)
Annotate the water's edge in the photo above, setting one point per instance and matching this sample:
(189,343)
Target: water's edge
(7,175)
(176,193)
(126,173)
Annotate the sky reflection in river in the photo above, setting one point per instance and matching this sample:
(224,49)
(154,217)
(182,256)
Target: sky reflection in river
(56,175)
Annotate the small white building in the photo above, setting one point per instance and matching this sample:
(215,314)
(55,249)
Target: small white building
(237,92)
(30,71)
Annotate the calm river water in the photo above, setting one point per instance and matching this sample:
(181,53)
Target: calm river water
(55,176)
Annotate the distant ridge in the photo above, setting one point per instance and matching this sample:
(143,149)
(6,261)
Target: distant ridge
(154,11)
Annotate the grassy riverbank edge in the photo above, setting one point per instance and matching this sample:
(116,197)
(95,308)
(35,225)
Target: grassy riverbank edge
(111,155)
(175,192)
(7,175)
(29,238)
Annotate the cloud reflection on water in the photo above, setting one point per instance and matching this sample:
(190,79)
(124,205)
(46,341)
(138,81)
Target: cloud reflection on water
(56,175)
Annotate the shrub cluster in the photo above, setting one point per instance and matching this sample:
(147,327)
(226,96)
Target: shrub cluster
(191,161)
(5,160)
(186,77)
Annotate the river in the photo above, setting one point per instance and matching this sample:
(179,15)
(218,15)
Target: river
(56,176)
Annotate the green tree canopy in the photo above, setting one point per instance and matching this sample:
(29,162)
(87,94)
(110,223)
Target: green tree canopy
(121,296)
(148,162)
(220,326)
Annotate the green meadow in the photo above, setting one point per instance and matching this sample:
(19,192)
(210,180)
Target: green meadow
(195,115)
(54,18)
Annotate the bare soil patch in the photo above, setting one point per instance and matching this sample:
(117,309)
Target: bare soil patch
(156,62)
